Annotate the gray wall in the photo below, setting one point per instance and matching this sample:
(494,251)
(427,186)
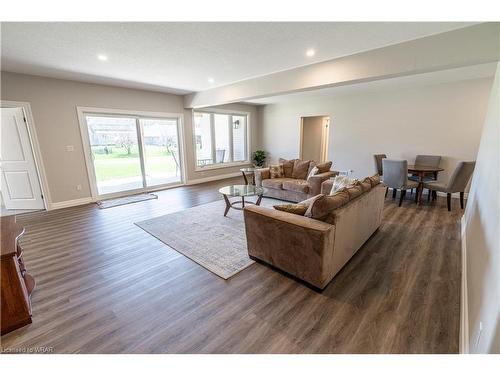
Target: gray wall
(444,119)
(481,236)
(54,102)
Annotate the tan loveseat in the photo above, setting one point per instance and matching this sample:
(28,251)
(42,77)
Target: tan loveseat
(310,249)
(294,186)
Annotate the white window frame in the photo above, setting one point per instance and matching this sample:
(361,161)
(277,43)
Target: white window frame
(231,163)
(83,111)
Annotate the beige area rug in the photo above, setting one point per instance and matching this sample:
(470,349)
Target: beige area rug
(204,235)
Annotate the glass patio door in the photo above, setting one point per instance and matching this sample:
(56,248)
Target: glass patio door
(161,151)
(133,154)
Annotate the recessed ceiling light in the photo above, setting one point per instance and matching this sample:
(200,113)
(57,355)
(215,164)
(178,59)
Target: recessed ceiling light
(211,80)
(310,52)
(102,57)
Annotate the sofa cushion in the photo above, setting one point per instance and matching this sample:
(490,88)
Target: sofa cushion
(293,208)
(324,167)
(320,206)
(314,206)
(312,172)
(275,183)
(300,169)
(366,184)
(276,171)
(296,185)
(354,190)
(375,180)
(287,166)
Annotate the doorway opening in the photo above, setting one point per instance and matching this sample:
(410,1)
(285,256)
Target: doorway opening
(20,185)
(131,153)
(314,138)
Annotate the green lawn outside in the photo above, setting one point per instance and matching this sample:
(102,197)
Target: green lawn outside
(119,164)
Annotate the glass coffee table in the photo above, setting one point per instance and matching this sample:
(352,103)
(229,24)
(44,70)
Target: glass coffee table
(241,191)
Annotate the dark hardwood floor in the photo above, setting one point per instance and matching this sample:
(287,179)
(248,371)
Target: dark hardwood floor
(106,286)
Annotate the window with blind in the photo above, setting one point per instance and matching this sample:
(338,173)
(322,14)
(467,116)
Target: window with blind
(220,138)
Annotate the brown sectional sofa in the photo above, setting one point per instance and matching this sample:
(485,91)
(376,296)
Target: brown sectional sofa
(310,249)
(294,185)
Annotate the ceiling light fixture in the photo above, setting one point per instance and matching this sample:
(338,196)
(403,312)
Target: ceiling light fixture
(211,80)
(102,57)
(310,52)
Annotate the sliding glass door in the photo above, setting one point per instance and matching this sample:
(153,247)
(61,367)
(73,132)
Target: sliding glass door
(161,151)
(133,153)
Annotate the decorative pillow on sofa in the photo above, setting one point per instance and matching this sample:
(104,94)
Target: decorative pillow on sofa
(340,182)
(375,180)
(354,190)
(366,184)
(287,166)
(319,206)
(276,171)
(300,169)
(293,208)
(313,171)
(324,167)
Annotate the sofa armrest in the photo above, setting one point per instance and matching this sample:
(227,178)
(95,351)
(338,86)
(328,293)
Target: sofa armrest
(261,174)
(315,182)
(298,245)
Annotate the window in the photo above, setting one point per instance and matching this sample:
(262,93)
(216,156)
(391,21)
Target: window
(220,138)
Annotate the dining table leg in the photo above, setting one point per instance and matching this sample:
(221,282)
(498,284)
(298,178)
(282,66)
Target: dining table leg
(420,187)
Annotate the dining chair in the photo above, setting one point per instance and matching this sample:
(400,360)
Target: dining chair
(457,183)
(428,161)
(378,163)
(396,177)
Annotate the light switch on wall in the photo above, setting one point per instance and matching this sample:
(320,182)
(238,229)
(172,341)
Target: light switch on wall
(70,148)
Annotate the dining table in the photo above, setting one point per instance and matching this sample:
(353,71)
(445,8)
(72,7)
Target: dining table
(421,171)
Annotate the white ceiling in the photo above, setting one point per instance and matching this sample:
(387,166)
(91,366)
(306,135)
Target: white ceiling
(180,57)
(418,80)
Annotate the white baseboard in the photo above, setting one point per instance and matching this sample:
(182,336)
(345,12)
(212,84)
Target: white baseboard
(464,307)
(71,203)
(454,195)
(213,178)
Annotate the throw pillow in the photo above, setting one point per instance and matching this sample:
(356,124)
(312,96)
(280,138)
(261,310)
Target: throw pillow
(341,181)
(366,184)
(320,206)
(276,171)
(375,180)
(297,209)
(313,172)
(287,166)
(324,167)
(354,190)
(315,206)
(300,169)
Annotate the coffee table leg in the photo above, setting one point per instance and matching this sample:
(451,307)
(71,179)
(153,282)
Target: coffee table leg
(258,200)
(245,178)
(242,202)
(228,204)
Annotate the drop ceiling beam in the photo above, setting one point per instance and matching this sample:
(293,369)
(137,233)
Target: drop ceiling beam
(472,45)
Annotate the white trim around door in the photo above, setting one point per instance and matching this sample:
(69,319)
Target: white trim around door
(35,147)
(82,111)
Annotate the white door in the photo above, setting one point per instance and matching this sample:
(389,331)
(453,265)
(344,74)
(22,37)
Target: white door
(20,185)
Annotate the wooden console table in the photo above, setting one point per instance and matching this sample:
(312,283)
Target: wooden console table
(16,283)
